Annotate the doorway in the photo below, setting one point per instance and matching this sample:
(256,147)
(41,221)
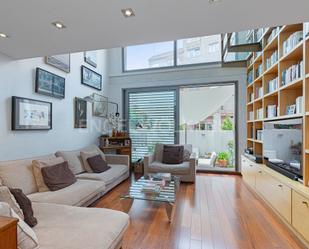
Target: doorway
(207,121)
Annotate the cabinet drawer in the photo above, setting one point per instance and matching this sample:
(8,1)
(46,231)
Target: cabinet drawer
(277,194)
(248,170)
(300,214)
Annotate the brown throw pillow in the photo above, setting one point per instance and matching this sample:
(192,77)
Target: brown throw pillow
(172,154)
(58,176)
(25,205)
(98,164)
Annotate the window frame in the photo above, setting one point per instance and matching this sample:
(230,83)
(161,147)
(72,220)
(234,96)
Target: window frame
(175,66)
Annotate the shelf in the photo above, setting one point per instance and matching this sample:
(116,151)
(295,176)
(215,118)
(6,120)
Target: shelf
(250,85)
(307,151)
(273,44)
(295,53)
(307,113)
(250,103)
(271,94)
(273,69)
(293,85)
(258,99)
(258,78)
(284,117)
(257,59)
(258,141)
(259,120)
(307,75)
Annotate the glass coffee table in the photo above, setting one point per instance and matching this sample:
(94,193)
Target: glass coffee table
(166,195)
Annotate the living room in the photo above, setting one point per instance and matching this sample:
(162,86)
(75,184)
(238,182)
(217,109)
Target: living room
(120,132)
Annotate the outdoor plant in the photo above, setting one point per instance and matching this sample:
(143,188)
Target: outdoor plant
(223,158)
(227,124)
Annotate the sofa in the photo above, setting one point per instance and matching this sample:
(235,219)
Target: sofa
(62,214)
(186,171)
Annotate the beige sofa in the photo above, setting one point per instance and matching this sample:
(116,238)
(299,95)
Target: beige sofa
(186,170)
(60,214)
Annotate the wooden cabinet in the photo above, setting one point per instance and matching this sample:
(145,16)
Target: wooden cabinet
(300,214)
(8,233)
(249,171)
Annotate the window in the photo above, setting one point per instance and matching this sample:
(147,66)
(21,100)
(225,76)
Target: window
(157,55)
(199,50)
(151,120)
(147,56)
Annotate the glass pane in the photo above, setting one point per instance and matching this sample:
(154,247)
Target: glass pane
(235,56)
(153,55)
(151,121)
(199,50)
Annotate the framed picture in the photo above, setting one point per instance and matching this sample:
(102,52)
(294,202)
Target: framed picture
(100,106)
(290,109)
(91,78)
(80,111)
(49,84)
(61,61)
(30,114)
(90,57)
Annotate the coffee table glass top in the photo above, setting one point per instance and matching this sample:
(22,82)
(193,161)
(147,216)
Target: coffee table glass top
(166,194)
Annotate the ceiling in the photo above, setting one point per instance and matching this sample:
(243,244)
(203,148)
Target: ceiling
(98,24)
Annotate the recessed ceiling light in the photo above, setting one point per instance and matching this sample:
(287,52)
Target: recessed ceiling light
(127,12)
(215,1)
(2,35)
(59,25)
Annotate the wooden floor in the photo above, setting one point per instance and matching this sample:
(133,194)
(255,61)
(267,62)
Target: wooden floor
(218,212)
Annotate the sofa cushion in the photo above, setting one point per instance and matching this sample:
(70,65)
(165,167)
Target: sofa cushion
(98,164)
(68,227)
(176,169)
(159,151)
(25,205)
(6,196)
(85,154)
(26,237)
(173,154)
(19,174)
(75,195)
(37,166)
(58,176)
(74,159)
(109,176)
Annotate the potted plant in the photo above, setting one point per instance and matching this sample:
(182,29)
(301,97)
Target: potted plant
(223,159)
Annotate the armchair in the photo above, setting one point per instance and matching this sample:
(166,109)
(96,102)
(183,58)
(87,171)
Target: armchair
(186,170)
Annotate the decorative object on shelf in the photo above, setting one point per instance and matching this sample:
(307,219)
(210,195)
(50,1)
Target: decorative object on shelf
(290,109)
(299,104)
(61,61)
(30,114)
(90,57)
(49,84)
(271,111)
(80,111)
(91,78)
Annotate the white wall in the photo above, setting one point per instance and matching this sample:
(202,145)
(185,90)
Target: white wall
(17,79)
(181,76)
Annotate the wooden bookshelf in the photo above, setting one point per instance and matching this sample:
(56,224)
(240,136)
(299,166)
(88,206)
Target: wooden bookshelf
(284,95)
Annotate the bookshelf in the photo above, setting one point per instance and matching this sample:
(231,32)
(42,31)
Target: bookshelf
(271,87)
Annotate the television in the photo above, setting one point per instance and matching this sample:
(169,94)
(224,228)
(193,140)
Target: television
(283,145)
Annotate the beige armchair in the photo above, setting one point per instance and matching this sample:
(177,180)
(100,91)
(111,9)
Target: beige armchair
(186,170)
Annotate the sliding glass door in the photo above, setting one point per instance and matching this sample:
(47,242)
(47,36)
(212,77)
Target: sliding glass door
(151,116)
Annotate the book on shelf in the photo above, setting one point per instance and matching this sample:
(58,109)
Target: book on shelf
(271,111)
(299,104)
(259,92)
(251,115)
(273,85)
(272,59)
(250,77)
(259,71)
(292,41)
(306,28)
(273,33)
(292,73)
(251,97)
(259,135)
(259,113)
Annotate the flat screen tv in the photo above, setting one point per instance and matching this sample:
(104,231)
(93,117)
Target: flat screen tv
(282,147)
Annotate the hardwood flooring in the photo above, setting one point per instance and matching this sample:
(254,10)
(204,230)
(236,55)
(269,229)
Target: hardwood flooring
(218,212)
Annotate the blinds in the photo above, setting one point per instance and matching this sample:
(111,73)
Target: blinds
(151,120)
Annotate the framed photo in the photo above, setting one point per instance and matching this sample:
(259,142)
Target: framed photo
(49,84)
(90,57)
(91,78)
(61,61)
(80,113)
(127,142)
(30,114)
(290,109)
(100,106)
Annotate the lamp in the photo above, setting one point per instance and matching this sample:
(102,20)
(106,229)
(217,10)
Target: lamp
(91,99)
